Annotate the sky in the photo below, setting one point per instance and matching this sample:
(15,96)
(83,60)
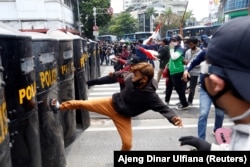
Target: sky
(199,7)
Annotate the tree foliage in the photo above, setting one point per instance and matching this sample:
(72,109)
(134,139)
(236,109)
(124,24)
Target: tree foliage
(171,20)
(120,24)
(87,17)
(189,20)
(150,12)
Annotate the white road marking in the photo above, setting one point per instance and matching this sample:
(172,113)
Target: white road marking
(94,129)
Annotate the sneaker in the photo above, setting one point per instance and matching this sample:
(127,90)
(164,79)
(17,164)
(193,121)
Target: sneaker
(180,107)
(178,104)
(193,149)
(190,103)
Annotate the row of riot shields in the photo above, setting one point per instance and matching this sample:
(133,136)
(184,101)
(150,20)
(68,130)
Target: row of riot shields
(35,68)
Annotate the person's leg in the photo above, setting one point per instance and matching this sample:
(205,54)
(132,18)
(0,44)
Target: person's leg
(102,59)
(192,86)
(123,125)
(205,104)
(169,89)
(159,75)
(179,85)
(105,106)
(122,86)
(153,63)
(106,59)
(102,80)
(219,117)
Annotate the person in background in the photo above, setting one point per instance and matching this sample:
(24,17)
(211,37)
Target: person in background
(205,100)
(190,55)
(204,42)
(125,53)
(151,45)
(138,96)
(176,69)
(185,41)
(227,83)
(132,48)
(108,53)
(115,48)
(103,55)
(164,56)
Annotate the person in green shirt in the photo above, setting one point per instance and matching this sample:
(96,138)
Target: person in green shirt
(176,69)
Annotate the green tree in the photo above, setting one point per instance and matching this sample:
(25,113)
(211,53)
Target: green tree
(120,24)
(150,12)
(150,15)
(189,20)
(87,17)
(169,20)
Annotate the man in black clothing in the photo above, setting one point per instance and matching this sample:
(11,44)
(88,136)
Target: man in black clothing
(164,56)
(138,96)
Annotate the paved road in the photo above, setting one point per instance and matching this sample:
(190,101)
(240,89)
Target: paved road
(94,147)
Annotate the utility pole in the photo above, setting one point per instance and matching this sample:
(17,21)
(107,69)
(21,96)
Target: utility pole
(100,11)
(79,21)
(181,23)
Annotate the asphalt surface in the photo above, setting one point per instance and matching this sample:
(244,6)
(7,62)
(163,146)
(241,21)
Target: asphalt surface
(95,146)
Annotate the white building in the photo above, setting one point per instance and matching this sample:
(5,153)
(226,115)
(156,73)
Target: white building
(126,4)
(176,5)
(138,10)
(39,15)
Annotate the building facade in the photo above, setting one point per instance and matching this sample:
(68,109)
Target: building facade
(127,4)
(175,5)
(138,9)
(236,8)
(39,15)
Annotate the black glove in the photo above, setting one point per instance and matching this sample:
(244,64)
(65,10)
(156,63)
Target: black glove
(199,144)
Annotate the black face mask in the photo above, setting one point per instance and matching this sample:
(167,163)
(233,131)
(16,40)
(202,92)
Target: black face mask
(193,48)
(137,83)
(218,95)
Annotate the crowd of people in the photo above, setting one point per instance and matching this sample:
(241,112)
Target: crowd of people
(220,66)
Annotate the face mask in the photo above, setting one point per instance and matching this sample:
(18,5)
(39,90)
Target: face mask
(193,48)
(175,43)
(137,83)
(218,95)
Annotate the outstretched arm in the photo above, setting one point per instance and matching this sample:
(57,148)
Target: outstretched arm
(165,111)
(147,53)
(200,58)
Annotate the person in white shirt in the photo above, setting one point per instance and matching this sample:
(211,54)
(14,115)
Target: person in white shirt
(190,55)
